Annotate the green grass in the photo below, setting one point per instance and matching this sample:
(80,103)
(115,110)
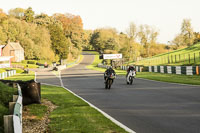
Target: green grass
(74,115)
(2,70)
(37,110)
(173,78)
(92,52)
(18,70)
(176,57)
(26,65)
(6,95)
(22,76)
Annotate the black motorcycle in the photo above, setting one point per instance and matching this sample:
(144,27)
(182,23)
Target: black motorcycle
(109,80)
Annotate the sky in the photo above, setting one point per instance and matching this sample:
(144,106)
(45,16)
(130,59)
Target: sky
(165,15)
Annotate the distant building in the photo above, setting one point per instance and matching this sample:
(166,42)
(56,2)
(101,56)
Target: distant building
(15,50)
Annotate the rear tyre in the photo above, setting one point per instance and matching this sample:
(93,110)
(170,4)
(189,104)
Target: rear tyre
(106,84)
(131,80)
(109,84)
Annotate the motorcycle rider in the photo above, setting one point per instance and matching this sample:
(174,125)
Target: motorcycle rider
(108,72)
(130,68)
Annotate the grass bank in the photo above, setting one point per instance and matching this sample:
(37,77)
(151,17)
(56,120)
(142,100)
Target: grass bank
(185,56)
(6,95)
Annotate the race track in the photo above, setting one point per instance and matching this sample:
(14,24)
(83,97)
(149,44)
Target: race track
(145,107)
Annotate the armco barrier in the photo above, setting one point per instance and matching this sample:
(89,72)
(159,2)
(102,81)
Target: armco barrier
(13,123)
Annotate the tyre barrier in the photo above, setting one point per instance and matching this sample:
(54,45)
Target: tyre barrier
(187,70)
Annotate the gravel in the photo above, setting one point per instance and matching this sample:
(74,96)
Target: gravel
(33,125)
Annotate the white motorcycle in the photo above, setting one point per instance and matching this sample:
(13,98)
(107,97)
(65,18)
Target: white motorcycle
(130,77)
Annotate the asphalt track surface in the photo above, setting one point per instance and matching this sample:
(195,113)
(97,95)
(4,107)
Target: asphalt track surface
(145,107)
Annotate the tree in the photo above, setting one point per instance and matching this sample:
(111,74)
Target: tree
(86,40)
(178,40)
(3,16)
(29,15)
(60,44)
(104,39)
(132,49)
(132,31)
(45,20)
(187,32)
(17,12)
(148,36)
(72,27)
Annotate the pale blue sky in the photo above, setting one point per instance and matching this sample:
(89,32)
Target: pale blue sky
(165,15)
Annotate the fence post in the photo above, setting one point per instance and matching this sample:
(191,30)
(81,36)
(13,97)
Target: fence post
(8,124)
(199,56)
(171,59)
(184,59)
(175,58)
(189,58)
(179,58)
(194,58)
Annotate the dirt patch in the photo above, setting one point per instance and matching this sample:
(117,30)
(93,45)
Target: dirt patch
(33,125)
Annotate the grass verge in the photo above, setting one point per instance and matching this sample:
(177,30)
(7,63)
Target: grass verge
(22,76)
(74,115)
(173,78)
(36,110)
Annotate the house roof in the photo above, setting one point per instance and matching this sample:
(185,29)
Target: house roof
(16,45)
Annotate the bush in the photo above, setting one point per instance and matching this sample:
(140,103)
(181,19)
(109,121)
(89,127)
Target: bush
(24,61)
(31,62)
